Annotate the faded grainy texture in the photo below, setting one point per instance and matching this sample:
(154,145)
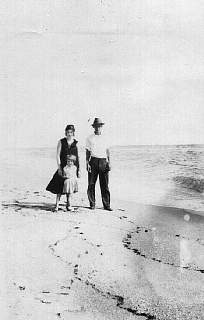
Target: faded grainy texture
(137,64)
(137,262)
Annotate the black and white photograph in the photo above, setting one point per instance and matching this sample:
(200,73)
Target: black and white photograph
(102,162)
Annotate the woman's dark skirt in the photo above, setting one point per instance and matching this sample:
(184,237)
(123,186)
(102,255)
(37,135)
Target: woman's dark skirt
(56,184)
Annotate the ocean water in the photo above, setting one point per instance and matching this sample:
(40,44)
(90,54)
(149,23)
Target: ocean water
(163,175)
(160,175)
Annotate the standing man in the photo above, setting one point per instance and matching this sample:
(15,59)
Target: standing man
(98,163)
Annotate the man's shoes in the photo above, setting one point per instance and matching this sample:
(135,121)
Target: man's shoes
(108,209)
(92,207)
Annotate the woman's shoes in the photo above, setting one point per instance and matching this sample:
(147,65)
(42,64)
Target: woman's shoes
(69,208)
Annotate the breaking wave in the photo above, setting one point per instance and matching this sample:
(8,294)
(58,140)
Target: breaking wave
(196,184)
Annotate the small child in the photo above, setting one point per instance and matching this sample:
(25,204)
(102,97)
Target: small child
(70,181)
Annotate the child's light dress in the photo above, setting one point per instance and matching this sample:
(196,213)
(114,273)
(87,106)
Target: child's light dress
(70,182)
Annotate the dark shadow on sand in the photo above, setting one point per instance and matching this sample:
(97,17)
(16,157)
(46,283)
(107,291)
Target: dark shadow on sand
(17,206)
(29,205)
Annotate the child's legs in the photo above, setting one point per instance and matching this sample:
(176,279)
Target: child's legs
(58,196)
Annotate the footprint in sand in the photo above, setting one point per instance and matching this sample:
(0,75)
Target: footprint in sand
(21,288)
(63,293)
(44,301)
(76,269)
(65,287)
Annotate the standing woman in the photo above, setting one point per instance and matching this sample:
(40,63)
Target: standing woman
(66,146)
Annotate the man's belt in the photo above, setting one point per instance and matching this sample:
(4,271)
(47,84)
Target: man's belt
(98,158)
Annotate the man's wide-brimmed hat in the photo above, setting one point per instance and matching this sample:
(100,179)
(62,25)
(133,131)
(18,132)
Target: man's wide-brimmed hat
(97,122)
(71,157)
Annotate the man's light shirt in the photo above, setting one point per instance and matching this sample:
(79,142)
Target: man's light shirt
(97,145)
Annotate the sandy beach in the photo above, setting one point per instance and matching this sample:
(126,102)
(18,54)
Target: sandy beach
(137,262)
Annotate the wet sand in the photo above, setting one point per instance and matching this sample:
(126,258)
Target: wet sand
(137,262)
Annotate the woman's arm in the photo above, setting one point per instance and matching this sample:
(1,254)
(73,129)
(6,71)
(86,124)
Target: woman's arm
(58,157)
(78,164)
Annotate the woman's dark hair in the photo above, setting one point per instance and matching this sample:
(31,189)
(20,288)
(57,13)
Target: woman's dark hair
(70,127)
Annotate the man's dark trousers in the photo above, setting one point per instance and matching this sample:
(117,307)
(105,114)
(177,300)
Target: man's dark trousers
(99,166)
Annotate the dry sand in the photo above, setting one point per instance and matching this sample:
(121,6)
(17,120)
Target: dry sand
(137,262)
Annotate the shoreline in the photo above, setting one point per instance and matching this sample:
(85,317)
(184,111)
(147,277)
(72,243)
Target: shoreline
(133,202)
(40,167)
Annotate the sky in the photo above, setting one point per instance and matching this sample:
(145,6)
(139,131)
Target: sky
(138,65)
